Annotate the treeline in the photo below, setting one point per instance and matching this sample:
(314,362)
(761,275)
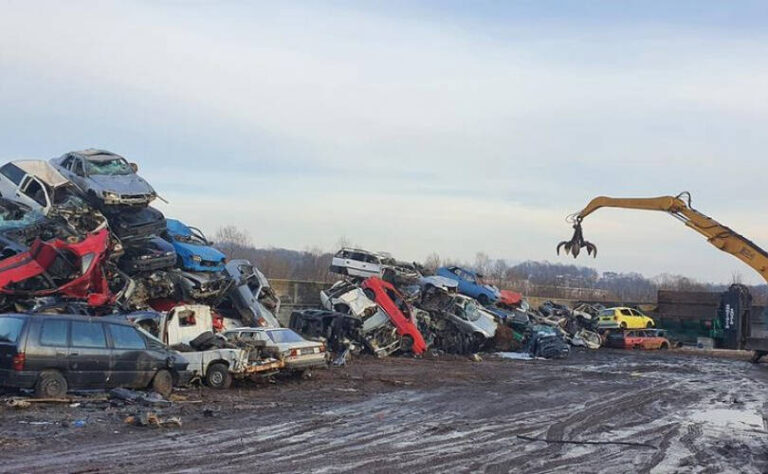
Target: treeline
(536,278)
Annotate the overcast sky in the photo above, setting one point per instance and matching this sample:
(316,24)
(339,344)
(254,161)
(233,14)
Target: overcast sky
(412,127)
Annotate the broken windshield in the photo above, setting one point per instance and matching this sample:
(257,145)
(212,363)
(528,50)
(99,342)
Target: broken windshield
(113,167)
(15,216)
(471,311)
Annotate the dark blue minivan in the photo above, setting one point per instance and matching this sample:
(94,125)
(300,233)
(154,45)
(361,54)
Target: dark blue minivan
(53,354)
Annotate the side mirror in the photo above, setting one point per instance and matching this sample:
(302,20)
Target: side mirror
(134,167)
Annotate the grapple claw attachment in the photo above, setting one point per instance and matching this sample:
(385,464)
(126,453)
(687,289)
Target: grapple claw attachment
(577,242)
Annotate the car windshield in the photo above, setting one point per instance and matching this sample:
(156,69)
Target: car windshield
(471,311)
(284,335)
(606,312)
(14,216)
(109,167)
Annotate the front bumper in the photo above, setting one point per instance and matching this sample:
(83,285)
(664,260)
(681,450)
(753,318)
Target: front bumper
(148,265)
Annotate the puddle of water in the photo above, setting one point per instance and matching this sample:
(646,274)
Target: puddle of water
(723,417)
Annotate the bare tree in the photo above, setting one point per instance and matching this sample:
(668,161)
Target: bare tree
(432,262)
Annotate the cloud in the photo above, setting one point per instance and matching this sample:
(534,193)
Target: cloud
(410,129)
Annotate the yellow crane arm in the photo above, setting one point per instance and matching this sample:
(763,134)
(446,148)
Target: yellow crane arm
(722,237)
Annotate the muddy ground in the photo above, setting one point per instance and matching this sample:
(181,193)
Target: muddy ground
(682,412)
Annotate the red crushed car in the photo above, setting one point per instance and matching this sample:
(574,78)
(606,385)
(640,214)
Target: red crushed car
(70,269)
(510,298)
(393,303)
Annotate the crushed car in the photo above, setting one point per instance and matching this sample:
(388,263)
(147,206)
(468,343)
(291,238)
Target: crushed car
(400,313)
(296,353)
(105,178)
(250,297)
(471,284)
(190,329)
(361,264)
(195,252)
(377,331)
(58,267)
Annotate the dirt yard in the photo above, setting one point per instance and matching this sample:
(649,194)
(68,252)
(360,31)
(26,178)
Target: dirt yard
(678,412)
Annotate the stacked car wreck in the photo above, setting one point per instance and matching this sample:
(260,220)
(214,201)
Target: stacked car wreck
(95,280)
(80,239)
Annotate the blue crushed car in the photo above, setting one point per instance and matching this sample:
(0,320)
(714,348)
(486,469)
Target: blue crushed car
(194,252)
(470,284)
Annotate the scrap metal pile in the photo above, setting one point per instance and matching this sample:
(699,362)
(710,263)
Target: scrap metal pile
(90,273)
(383,306)
(78,237)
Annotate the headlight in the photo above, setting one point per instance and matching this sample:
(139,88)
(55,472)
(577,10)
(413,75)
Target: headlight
(145,257)
(86,261)
(197,258)
(109,195)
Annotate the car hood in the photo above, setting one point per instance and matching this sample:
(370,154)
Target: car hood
(206,253)
(122,184)
(444,283)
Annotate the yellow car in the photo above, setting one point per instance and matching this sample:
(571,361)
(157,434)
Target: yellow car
(623,318)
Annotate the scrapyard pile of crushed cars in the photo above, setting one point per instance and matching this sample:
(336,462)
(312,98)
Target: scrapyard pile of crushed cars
(100,290)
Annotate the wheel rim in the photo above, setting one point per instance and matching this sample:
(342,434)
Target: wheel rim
(52,387)
(217,378)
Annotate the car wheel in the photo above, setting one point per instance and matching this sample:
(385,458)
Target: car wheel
(218,376)
(51,384)
(756,356)
(649,325)
(162,383)
(623,325)
(484,300)
(664,346)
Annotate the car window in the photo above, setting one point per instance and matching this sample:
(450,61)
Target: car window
(86,334)
(110,167)
(633,312)
(35,190)
(125,337)
(12,172)
(10,328)
(625,312)
(284,335)
(54,332)
(606,312)
(77,167)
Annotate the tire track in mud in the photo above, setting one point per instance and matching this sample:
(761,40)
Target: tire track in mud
(466,423)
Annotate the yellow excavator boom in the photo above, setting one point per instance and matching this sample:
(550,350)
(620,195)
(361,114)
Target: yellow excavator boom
(722,237)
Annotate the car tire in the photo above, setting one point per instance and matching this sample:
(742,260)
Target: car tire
(484,300)
(623,325)
(218,376)
(51,384)
(664,346)
(162,383)
(649,325)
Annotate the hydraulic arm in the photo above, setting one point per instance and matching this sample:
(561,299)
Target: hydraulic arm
(679,207)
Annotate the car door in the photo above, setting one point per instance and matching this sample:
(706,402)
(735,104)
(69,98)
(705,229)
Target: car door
(89,357)
(131,364)
(51,346)
(33,193)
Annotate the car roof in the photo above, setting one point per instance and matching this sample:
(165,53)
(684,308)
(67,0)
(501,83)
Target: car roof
(43,170)
(72,317)
(95,154)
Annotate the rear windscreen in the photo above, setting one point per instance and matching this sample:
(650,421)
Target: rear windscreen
(10,328)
